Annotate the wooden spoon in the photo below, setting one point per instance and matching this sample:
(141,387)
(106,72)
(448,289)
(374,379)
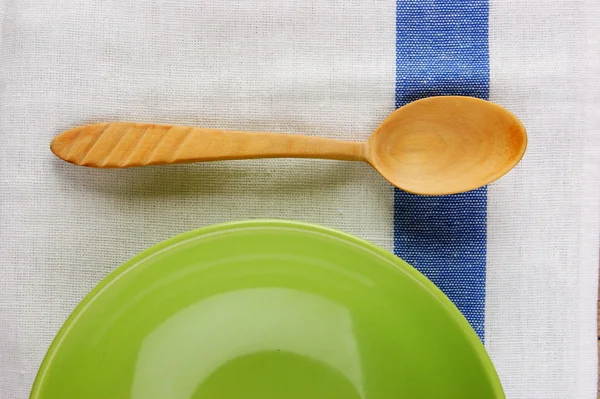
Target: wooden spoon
(433,146)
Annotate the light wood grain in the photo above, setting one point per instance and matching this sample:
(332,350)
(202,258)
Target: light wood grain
(128,144)
(445,145)
(438,145)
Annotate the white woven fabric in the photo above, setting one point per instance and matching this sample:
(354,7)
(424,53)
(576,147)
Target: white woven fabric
(310,67)
(542,270)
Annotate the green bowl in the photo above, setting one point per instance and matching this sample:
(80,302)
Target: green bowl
(266,309)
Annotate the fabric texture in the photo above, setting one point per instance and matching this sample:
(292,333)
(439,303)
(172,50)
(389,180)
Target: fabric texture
(442,49)
(542,256)
(519,258)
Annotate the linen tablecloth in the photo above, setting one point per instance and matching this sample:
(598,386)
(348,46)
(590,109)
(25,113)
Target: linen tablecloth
(519,257)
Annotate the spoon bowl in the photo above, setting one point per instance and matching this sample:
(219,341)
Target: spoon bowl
(445,145)
(434,146)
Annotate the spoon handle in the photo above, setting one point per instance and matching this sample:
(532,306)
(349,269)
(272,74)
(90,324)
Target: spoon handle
(127,144)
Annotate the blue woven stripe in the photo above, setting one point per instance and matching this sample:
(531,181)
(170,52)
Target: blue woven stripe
(442,49)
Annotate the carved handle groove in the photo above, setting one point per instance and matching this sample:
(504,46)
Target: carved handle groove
(128,144)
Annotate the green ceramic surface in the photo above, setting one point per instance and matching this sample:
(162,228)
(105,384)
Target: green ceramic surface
(266,309)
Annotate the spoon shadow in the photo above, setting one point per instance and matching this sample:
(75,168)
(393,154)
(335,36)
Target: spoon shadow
(264,177)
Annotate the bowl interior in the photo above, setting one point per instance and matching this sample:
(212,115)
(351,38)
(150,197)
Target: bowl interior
(266,309)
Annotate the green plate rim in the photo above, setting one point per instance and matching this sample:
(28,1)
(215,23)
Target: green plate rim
(402,265)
